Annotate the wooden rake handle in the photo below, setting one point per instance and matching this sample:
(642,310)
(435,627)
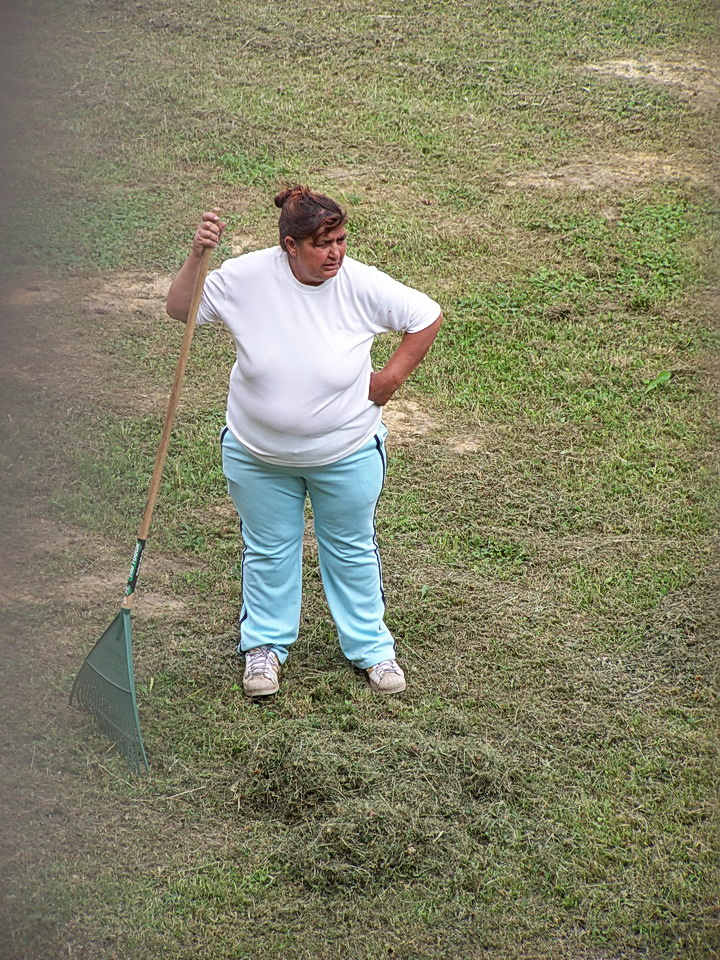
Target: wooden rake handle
(175,394)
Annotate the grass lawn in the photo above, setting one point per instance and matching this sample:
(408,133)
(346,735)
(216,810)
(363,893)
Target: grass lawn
(546,789)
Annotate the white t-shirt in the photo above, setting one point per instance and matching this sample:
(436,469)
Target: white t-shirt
(299,386)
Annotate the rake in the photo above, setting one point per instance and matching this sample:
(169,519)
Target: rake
(105,684)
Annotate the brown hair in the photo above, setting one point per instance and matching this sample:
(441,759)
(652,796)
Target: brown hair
(304,213)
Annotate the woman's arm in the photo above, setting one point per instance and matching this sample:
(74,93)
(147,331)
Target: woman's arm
(180,294)
(412,349)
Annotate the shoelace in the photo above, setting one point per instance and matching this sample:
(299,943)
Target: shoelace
(386,666)
(259,663)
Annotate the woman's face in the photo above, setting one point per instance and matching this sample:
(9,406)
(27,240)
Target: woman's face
(315,261)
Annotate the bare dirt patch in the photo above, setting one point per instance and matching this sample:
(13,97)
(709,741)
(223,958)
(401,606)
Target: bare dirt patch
(123,292)
(47,355)
(408,422)
(129,292)
(104,590)
(405,419)
(153,605)
(481,438)
(97,568)
(33,542)
(694,80)
(612,173)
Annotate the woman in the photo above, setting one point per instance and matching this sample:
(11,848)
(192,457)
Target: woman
(304,419)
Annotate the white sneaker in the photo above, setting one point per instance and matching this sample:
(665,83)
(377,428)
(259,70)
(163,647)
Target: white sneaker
(386,677)
(262,669)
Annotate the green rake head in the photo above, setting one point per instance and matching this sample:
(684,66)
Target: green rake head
(105,687)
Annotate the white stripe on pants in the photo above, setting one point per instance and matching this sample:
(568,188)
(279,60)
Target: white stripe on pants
(270,501)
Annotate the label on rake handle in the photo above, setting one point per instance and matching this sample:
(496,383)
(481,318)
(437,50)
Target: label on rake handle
(135,567)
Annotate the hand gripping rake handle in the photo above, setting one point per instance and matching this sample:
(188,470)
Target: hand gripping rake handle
(167,427)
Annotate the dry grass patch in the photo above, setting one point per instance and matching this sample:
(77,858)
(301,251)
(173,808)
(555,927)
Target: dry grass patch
(613,173)
(695,80)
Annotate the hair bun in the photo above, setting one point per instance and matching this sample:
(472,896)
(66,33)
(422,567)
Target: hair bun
(284,195)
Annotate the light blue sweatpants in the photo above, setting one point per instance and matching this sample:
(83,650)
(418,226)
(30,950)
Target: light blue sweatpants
(270,501)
